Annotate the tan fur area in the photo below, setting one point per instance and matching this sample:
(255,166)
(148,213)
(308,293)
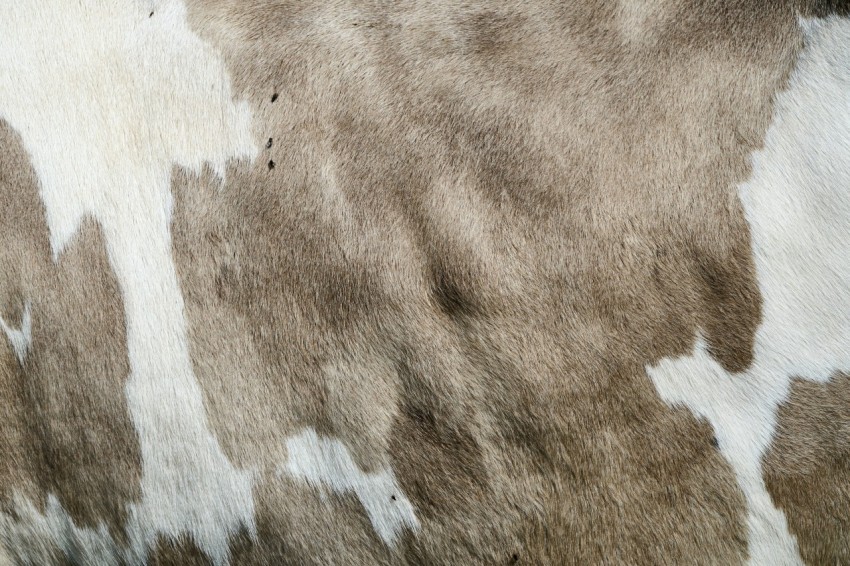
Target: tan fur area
(808,468)
(181,552)
(470,228)
(66,430)
(464,221)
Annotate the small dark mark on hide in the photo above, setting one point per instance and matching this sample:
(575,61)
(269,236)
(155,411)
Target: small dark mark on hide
(150,15)
(392,497)
(714,442)
(274,97)
(269,143)
(271,164)
(514,558)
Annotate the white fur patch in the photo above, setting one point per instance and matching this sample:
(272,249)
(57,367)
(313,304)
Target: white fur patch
(20,339)
(326,462)
(5,557)
(107,99)
(35,537)
(797,203)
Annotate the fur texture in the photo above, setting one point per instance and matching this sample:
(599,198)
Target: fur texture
(424,282)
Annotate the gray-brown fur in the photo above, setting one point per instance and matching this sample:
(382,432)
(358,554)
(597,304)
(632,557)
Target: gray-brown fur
(483,221)
(64,420)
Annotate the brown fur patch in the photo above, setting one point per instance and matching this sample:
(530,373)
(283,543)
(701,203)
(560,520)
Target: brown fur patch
(182,552)
(515,209)
(66,429)
(807,470)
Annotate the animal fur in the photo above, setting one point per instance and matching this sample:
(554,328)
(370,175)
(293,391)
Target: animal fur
(422,282)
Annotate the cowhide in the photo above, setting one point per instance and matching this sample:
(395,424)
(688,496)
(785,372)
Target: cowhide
(426,282)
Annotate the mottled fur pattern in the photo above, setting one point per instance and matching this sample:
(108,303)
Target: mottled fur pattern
(433,250)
